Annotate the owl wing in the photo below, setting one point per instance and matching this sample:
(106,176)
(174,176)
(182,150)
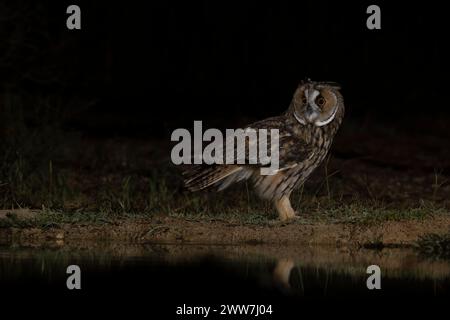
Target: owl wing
(294,154)
(292,150)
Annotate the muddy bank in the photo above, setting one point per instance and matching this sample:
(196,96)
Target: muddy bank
(181,230)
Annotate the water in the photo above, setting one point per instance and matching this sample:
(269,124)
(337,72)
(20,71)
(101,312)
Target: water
(160,278)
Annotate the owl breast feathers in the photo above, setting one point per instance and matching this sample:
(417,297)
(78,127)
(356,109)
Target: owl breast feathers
(306,131)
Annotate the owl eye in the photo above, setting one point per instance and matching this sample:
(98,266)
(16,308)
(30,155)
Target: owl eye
(320,101)
(304,100)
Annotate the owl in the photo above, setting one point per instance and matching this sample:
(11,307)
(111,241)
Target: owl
(306,131)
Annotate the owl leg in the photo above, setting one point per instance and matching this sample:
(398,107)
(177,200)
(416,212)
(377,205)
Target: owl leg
(284,208)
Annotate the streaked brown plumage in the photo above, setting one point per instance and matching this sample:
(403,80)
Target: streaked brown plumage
(306,131)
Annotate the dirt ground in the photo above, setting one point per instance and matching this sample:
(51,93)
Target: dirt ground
(170,230)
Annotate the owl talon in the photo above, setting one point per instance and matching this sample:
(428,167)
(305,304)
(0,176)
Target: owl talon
(284,208)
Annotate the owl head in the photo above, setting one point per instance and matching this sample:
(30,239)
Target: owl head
(316,103)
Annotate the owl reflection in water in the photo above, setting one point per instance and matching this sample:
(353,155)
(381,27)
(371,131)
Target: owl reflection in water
(306,132)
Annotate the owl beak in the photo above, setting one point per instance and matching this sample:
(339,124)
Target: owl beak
(311,115)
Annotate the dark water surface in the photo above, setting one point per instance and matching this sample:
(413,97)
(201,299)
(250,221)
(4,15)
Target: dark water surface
(157,279)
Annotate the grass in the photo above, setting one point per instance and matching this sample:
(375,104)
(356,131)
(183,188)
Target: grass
(130,198)
(105,196)
(72,179)
(97,191)
(49,219)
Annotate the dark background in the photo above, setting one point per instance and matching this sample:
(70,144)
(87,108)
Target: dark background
(146,67)
(138,69)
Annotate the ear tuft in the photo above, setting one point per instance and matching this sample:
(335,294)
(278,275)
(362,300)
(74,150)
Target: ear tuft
(332,84)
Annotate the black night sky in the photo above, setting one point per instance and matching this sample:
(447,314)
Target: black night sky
(148,67)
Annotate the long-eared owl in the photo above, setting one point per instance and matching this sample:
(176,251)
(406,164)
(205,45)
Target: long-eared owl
(306,131)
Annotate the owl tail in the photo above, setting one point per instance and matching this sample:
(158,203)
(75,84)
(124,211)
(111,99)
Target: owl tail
(200,177)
